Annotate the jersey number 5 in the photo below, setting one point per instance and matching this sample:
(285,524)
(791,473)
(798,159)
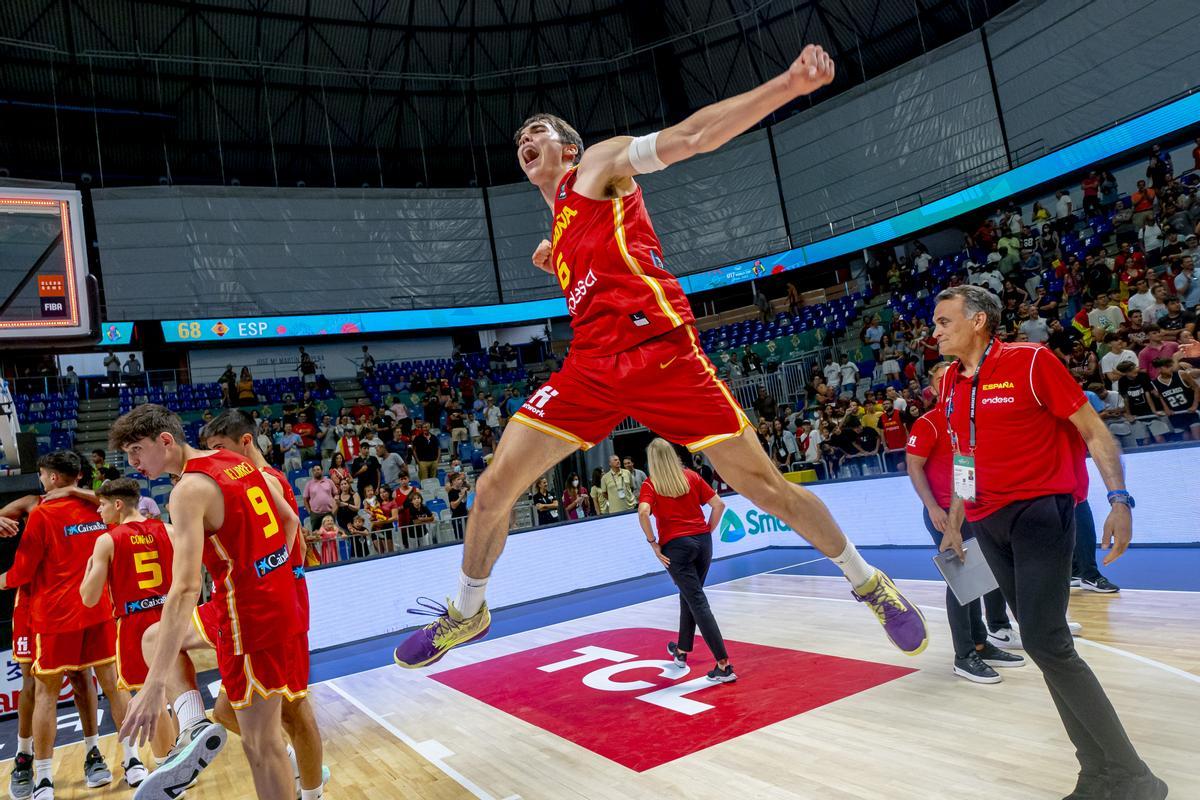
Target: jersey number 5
(146,563)
(258,500)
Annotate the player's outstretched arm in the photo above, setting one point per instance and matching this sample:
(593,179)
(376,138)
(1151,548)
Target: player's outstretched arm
(96,575)
(713,125)
(190,501)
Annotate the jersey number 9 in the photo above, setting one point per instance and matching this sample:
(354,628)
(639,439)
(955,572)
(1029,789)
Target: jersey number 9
(258,500)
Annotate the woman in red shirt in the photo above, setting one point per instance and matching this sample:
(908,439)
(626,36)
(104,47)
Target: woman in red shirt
(676,497)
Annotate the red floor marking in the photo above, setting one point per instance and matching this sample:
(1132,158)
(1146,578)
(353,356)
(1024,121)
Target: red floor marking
(622,700)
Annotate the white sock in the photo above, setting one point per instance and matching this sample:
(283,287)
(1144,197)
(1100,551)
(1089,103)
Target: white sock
(312,794)
(89,742)
(470,594)
(43,768)
(130,752)
(189,709)
(854,566)
(291,751)
(25,744)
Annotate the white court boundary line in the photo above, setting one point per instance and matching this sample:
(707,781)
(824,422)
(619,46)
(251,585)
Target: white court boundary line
(432,750)
(941,610)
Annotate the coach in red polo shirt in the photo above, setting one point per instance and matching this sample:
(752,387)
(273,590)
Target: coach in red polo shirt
(1018,426)
(929,468)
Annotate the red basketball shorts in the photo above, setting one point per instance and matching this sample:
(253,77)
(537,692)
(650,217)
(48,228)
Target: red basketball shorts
(206,621)
(666,384)
(22,643)
(131,663)
(76,650)
(281,669)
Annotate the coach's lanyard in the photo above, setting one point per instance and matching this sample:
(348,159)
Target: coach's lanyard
(974,394)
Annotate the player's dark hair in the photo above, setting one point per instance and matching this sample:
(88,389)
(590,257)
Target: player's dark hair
(64,462)
(230,424)
(145,422)
(565,132)
(126,489)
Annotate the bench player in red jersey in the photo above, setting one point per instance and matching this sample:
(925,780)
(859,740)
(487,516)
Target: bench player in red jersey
(635,353)
(234,518)
(69,638)
(132,560)
(234,431)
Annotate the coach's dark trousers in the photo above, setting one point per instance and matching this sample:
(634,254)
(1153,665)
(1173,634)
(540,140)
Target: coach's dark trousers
(691,557)
(1029,545)
(966,622)
(1083,565)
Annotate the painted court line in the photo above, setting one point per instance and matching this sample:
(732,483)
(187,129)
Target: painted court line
(930,580)
(941,610)
(432,751)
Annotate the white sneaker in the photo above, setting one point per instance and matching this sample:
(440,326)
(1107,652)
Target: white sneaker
(1005,639)
(44,790)
(1075,583)
(135,772)
(1076,627)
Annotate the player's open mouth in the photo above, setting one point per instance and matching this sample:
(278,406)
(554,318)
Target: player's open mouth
(529,154)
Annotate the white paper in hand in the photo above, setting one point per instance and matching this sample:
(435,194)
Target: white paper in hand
(969,579)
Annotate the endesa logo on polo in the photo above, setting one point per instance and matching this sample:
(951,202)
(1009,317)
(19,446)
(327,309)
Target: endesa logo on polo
(614,692)
(271,561)
(85,527)
(734,529)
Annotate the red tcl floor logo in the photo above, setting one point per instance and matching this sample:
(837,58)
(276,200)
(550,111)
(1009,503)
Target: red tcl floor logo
(618,694)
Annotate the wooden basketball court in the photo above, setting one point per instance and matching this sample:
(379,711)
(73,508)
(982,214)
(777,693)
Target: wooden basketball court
(921,735)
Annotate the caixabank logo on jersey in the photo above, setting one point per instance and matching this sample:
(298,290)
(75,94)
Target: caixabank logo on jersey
(145,604)
(271,561)
(85,527)
(734,529)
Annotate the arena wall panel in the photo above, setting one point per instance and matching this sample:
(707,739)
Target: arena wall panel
(210,251)
(1073,66)
(917,126)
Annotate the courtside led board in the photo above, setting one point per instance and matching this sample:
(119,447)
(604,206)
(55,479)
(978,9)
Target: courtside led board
(44,295)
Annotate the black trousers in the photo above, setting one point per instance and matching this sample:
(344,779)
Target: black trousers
(966,622)
(691,557)
(1083,563)
(1029,545)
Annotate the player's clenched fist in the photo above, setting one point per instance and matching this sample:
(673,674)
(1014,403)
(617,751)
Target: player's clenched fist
(541,257)
(812,70)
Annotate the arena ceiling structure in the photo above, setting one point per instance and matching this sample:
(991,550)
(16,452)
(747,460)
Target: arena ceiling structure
(398,93)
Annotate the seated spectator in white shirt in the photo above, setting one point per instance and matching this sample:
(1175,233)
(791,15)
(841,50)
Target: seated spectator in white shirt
(1118,353)
(1105,317)
(1142,299)
(1034,327)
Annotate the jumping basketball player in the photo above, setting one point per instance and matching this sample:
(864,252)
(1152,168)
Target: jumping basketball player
(133,561)
(635,353)
(237,517)
(234,431)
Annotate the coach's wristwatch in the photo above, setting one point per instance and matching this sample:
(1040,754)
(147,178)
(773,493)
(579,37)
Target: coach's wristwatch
(1121,496)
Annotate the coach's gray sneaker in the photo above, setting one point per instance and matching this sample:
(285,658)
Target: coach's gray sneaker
(194,750)
(95,771)
(20,785)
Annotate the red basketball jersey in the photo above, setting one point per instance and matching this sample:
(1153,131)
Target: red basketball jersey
(609,264)
(248,558)
(140,572)
(297,562)
(51,560)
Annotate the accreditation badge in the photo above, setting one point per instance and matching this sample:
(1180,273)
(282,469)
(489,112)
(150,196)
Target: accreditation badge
(964,477)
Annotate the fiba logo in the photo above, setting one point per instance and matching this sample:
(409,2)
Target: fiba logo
(536,403)
(912,441)
(22,644)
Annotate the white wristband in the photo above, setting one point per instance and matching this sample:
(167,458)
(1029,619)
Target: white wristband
(643,154)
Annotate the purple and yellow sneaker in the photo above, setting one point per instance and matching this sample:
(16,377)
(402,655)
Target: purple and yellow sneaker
(902,621)
(427,645)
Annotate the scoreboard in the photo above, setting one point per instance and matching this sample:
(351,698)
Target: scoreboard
(45,292)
